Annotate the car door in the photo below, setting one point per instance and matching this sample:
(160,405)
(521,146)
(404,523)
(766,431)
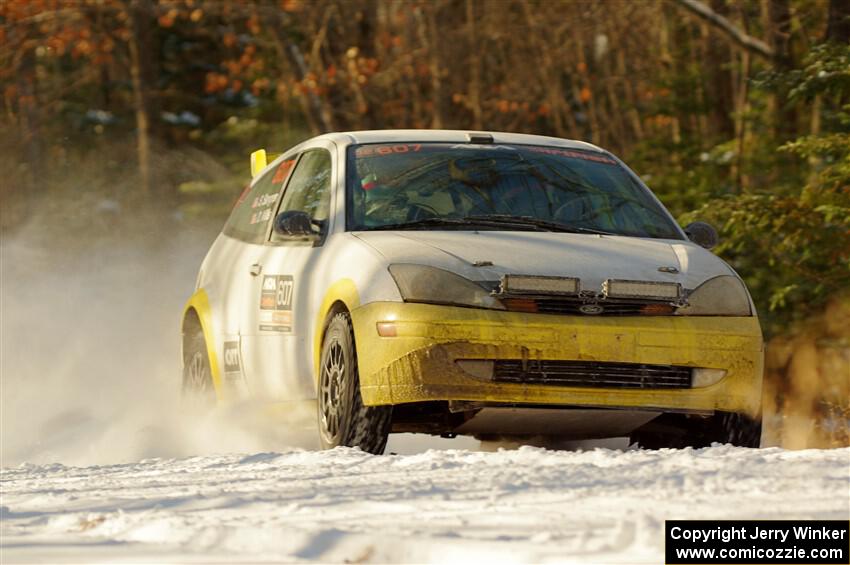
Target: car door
(276,334)
(227,272)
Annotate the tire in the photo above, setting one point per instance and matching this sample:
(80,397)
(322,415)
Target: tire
(343,419)
(740,430)
(678,431)
(198,389)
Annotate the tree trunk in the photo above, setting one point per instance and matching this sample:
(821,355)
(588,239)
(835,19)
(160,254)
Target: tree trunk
(474,96)
(838,21)
(719,80)
(742,105)
(28,110)
(778,24)
(426,27)
(667,56)
(318,115)
(779,32)
(631,98)
(17,193)
(141,14)
(549,73)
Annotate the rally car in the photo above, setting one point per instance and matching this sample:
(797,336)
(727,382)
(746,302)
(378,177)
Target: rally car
(489,284)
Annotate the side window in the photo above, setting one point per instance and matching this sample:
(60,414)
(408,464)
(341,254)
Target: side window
(250,218)
(309,190)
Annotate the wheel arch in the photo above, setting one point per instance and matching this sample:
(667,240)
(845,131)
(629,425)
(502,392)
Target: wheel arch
(197,312)
(342,296)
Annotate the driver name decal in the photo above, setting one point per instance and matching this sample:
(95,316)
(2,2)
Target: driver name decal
(276,303)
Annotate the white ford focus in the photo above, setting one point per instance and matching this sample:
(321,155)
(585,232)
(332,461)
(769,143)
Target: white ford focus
(489,284)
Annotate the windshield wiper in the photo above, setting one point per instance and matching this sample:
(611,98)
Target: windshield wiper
(425,222)
(489,221)
(546,225)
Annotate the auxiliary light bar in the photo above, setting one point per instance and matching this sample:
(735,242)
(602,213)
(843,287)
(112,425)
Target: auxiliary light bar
(613,288)
(532,284)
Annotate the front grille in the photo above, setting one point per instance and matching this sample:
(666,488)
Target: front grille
(572,307)
(592,374)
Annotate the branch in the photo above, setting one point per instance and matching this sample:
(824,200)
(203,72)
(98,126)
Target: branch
(748,42)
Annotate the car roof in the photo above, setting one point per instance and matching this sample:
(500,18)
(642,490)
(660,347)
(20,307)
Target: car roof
(451,136)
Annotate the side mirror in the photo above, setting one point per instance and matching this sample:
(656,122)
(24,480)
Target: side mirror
(294,223)
(702,234)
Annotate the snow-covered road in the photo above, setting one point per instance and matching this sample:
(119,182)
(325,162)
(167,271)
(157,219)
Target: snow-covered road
(525,505)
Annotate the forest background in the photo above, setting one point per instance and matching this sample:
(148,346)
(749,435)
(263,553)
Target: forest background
(121,116)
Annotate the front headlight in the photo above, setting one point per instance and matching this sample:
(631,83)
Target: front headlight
(721,296)
(420,283)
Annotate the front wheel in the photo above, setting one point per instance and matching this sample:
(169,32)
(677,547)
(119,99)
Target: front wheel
(678,431)
(343,418)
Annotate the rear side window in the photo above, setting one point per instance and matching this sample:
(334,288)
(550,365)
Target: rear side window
(250,218)
(310,188)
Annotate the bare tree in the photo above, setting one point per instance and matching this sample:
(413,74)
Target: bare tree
(141,15)
(735,34)
(838,21)
(316,110)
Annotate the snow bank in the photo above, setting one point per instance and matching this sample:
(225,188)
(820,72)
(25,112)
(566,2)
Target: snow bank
(525,505)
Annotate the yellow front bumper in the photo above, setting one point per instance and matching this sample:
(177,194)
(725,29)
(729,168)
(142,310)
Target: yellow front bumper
(419,363)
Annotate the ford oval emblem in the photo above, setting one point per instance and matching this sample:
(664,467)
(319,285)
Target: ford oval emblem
(590,309)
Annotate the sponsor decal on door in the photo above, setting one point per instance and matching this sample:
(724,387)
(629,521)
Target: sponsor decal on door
(276,303)
(232,362)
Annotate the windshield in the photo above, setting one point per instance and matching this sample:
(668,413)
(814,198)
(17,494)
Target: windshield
(516,187)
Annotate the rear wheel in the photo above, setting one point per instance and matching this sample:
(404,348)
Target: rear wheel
(343,418)
(198,387)
(678,431)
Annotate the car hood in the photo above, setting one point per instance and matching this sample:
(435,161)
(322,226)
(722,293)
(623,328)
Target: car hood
(591,258)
